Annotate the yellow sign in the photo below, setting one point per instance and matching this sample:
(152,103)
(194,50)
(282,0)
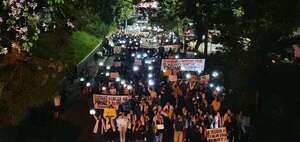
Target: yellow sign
(110,112)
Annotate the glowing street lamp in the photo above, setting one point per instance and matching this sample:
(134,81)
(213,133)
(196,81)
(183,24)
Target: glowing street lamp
(103,88)
(108,67)
(211,85)
(133,55)
(177,56)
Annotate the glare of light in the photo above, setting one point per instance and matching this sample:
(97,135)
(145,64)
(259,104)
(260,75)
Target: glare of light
(129,87)
(101,63)
(130,42)
(134,40)
(218,88)
(138,56)
(211,85)
(148,51)
(124,85)
(199,71)
(81,79)
(133,54)
(122,82)
(150,68)
(174,40)
(148,61)
(155,40)
(141,41)
(92,112)
(167,40)
(108,67)
(145,55)
(88,84)
(164,70)
(188,76)
(112,44)
(182,68)
(215,74)
(103,88)
(107,74)
(135,68)
(150,75)
(136,43)
(150,82)
(177,56)
(195,54)
(118,79)
(123,46)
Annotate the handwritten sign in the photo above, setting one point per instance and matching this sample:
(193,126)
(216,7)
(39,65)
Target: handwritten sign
(216,135)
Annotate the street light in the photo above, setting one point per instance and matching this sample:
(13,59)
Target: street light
(211,85)
(108,67)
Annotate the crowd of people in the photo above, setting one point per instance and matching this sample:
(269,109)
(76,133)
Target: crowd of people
(160,110)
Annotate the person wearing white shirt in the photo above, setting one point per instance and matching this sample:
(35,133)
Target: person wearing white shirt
(122,122)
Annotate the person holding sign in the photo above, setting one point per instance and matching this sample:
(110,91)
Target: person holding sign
(159,127)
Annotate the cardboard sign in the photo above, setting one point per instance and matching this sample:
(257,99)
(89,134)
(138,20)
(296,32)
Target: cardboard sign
(108,101)
(173,78)
(114,74)
(183,64)
(110,113)
(216,135)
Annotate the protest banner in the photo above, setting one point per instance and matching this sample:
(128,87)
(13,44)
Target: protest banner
(183,64)
(109,112)
(109,101)
(114,74)
(216,135)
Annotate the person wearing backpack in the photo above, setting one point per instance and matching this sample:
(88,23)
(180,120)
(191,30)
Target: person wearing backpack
(178,128)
